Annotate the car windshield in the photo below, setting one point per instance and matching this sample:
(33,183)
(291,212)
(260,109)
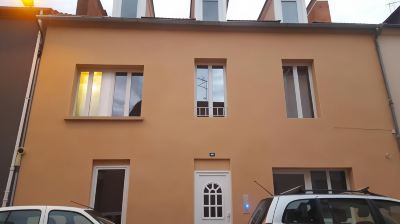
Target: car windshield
(261,211)
(98,217)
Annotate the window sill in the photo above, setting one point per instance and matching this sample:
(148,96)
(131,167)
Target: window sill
(94,118)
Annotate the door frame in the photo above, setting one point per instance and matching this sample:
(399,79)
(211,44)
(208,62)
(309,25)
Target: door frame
(213,173)
(125,190)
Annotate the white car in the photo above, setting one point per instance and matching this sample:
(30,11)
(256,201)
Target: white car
(352,207)
(49,215)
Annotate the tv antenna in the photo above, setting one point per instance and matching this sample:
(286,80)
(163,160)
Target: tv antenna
(393,4)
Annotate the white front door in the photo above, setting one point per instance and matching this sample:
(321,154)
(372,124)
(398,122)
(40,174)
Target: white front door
(213,197)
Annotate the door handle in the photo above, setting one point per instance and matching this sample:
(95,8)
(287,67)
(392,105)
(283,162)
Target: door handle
(228,217)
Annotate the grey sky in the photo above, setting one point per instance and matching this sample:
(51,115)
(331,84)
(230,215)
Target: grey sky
(349,11)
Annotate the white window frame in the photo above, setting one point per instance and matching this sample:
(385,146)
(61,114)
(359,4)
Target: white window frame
(297,89)
(222,8)
(125,191)
(301,10)
(141,8)
(307,176)
(110,91)
(210,90)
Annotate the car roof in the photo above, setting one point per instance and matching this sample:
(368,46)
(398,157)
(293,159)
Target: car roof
(344,195)
(42,207)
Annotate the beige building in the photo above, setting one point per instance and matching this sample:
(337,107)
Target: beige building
(172,120)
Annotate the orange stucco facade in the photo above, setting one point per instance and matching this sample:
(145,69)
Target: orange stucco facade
(353,129)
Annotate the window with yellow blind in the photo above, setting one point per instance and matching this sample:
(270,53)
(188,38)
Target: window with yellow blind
(108,93)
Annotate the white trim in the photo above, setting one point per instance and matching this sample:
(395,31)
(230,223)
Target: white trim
(141,8)
(125,191)
(297,92)
(117,7)
(301,10)
(210,92)
(313,99)
(222,10)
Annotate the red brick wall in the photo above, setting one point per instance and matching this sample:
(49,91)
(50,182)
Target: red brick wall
(319,12)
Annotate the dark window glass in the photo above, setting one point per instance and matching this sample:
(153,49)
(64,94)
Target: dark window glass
(219,211)
(305,92)
(212,199)
(67,217)
(345,210)
(206,212)
(261,211)
(206,199)
(213,212)
(119,94)
(284,182)
(210,10)
(135,101)
(219,199)
(3,217)
(338,181)
(389,210)
(23,217)
(109,193)
(290,93)
(302,211)
(319,182)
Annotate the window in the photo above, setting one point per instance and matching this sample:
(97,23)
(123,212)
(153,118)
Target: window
(20,217)
(210,91)
(261,211)
(290,12)
(109,192)
(67,217)
(346,210)
(212,201)
(320,181)
(389,210)
(301,211)
(109,94)
(299,93)
(210,10)
(129,8)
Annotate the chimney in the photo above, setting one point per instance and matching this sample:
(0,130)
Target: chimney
(133,8)
(318,11)
(208,10)
(90,8)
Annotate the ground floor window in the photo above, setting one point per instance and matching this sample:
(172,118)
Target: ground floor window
(319,180)
(110,191)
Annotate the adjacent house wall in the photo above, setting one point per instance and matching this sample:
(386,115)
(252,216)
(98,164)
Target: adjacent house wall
(19,32)
(90,8)
(353,129)
(267,12)
(318,12)
(389,42)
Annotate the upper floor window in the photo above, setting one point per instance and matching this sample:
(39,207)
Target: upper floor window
(290,12)
(210,91)
(299,92)
(210,10)
(109,93)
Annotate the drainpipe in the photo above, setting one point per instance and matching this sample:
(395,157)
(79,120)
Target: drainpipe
(23,124)
(387,87)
